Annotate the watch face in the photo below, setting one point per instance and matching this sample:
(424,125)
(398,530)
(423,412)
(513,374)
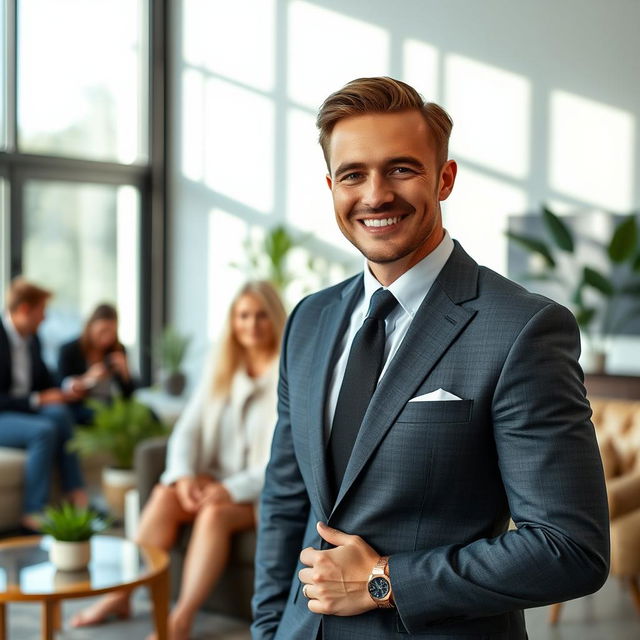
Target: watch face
(379,588)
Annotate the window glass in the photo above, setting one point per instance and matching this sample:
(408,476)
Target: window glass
(81,241)
(81,79)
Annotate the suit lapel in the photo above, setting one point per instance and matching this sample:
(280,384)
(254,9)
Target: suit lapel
(333,323)
(437,324)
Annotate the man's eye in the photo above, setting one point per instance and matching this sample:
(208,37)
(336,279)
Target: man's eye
(351,176)
(402,170)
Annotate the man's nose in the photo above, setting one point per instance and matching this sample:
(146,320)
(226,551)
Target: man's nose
(377,192)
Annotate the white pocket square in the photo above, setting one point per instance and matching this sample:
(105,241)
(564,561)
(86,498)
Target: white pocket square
(438,394)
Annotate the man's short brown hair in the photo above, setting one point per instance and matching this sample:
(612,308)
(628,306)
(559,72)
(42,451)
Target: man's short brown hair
(382,95)
(23,292)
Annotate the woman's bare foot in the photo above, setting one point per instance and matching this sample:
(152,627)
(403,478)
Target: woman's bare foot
(178,627)
(113,604)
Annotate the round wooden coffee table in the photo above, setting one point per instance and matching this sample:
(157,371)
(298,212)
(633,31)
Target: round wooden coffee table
(116,564)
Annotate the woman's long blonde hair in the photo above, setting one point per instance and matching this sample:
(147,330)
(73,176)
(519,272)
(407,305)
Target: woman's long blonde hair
(231,355)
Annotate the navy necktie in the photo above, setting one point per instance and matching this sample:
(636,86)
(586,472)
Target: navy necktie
(360,379)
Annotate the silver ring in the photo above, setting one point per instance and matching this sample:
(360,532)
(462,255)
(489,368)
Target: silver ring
(304,592)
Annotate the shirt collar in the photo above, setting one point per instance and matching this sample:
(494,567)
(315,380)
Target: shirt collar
(14,337)
(411,287)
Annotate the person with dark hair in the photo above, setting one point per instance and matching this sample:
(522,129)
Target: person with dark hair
(423,403)
(33,415)
(95,364)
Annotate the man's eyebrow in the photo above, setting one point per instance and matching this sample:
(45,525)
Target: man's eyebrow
(414,162)
(353,166)
(348,166)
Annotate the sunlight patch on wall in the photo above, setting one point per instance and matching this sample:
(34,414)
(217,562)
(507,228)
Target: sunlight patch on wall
(477,214)
(420,68)
(239,144)
(218,35)
(227,235)
(491,110)
(309,203)
(316,67)
(591,151)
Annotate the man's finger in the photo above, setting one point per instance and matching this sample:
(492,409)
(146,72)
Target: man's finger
(333,536)
(308,556)
(305,575)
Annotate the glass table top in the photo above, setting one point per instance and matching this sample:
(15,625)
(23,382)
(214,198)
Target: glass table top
(25,566)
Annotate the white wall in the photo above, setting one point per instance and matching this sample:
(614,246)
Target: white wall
(544,95)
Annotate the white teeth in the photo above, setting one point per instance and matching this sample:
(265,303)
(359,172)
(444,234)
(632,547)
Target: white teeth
(379,222)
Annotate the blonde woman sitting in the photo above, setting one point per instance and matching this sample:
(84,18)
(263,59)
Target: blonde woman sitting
(216,458)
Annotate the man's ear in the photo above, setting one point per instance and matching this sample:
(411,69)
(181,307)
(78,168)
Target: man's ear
(447,179)
(329,181)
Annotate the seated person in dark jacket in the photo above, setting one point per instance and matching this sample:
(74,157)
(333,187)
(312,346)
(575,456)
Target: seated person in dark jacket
(95,364)
(33,414)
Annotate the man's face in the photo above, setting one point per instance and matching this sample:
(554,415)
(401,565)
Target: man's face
(28,318)
(387,187)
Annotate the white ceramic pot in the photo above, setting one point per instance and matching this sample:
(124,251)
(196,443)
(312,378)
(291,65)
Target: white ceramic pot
(69,556)
(115,484)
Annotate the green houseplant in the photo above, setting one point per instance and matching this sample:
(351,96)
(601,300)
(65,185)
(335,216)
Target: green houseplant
(71,529)
(171,349)
(118,427)
(603,301)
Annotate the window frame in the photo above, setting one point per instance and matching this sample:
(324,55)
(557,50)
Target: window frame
(150,178)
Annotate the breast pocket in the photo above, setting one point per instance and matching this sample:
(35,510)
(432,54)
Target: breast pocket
(437,411)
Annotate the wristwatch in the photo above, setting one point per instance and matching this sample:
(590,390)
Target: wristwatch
(379,585)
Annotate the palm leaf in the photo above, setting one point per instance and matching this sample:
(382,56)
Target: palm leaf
(559,231)
(598,281)
(534,245)
(624,241)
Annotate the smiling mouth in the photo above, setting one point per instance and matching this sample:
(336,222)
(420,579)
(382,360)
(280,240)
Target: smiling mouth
(381,222)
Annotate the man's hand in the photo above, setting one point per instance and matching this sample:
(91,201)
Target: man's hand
(189,493)
(337,578)
(52,396)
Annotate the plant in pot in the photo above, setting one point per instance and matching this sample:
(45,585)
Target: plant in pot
(171,349)
(71,529)
(603,301)
(118,427)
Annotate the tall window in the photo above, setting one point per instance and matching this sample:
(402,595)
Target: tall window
(76,138)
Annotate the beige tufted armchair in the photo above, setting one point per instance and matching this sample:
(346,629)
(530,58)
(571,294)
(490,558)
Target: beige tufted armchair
(617,424)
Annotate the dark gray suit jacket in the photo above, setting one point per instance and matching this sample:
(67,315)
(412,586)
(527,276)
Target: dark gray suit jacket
(433,484)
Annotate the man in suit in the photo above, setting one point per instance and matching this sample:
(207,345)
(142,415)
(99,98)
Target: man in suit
(422,404)
(33,415)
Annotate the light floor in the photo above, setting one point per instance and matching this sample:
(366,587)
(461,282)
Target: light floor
(607,615)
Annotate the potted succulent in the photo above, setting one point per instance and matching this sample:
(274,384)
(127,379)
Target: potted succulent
(71,529)
(171,348)
(603,301)
(118,427)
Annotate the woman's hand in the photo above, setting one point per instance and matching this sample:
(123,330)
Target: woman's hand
(118,363)
(215,493)
(189,493)
(95,373)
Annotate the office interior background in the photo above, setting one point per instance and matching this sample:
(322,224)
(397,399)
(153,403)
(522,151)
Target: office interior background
(145,143)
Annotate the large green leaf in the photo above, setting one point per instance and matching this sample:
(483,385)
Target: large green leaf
(631,289)
(534,245)
(560,232)
(624,240)
(598,281)
(584,316)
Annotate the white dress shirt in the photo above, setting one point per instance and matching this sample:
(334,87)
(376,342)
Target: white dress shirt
(409,290)
(21,375)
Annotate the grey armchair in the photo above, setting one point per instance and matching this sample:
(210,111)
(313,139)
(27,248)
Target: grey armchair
(232,595)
